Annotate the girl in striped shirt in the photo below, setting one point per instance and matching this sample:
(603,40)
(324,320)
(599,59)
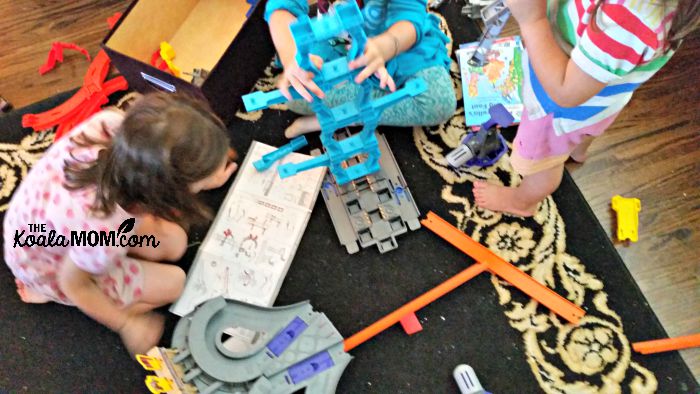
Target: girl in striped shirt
(584,60)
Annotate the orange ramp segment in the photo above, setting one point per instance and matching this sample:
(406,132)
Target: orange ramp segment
(542,294)
(667,344)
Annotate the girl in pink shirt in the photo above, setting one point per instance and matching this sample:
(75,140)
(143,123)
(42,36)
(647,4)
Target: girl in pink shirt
(92,221)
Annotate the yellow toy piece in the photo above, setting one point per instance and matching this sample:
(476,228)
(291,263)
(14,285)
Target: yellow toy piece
(149,363)
(158,385)
(168,377)
(627,217)
(167,52)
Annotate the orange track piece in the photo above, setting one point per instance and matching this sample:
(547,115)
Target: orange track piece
(502,268)
(412,306)
(667,344)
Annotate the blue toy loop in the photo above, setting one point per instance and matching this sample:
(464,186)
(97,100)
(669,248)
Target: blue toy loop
(343,18)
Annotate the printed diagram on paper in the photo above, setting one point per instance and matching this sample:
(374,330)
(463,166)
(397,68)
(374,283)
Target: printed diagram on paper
(252,241)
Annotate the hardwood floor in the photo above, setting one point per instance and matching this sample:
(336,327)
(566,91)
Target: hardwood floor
(652,152)
(28,30)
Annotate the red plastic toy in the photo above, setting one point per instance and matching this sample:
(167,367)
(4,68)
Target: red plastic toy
(112,20)
(56,55)
(86,101)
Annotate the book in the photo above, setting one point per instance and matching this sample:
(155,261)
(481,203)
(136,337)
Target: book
(499,81)
(251,243)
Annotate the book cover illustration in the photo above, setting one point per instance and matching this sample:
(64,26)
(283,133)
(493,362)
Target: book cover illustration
(499,81)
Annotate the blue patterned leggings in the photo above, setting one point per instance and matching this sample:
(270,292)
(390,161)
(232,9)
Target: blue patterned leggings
(432,107)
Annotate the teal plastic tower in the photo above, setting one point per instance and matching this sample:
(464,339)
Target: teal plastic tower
(345,18)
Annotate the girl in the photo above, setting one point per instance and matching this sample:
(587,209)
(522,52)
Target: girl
(147,164)
(584,64)
(404,42)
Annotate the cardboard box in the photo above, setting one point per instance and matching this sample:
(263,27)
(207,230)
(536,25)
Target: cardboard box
(228,38)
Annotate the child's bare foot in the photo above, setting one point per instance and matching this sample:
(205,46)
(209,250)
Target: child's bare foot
(302,125)
(501,199)
(29,295)
(142,332)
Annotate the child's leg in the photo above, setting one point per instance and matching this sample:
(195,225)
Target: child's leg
(309,122)
(302,125)
(580,153)
(434,106)
(162,285)
(521,200)
(172,238)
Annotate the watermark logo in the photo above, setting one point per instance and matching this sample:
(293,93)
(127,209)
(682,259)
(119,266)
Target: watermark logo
(38,236)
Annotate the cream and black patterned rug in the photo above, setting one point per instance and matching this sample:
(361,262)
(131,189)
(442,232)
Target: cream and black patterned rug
(514,345)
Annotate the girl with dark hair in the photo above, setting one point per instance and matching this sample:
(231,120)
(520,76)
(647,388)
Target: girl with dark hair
(92,221)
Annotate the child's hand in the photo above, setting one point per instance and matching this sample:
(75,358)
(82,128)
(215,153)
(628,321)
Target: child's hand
(141,332)
(300,80)
(216,179)
(527,11)
(221,176)
(374,62)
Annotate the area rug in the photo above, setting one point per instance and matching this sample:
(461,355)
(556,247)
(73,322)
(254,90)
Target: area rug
(514,345)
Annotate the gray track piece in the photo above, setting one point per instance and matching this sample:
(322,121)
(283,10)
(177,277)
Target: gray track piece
(299,349)
(374,209)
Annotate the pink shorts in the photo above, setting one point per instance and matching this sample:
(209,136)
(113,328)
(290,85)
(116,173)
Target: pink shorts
(537,147)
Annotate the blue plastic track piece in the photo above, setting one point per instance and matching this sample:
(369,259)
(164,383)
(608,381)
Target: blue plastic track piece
(411,88)
(284,338)
(266,161)
(499,117)
(260,100)
(311,366)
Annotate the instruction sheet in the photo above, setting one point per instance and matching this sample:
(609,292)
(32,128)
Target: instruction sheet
(252,241)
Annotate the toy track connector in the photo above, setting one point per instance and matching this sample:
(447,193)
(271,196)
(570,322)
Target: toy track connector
(484,147)
(627,217)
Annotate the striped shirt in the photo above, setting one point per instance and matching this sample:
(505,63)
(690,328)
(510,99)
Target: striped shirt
(622,43)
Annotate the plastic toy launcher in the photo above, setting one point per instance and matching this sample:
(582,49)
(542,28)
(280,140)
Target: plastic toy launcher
(484,147)
(343,18)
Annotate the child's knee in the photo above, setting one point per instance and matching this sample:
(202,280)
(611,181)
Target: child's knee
(173,242)
(446,108)
(178,281)
(178,247)
(173,283)
(438,107)
(439,102)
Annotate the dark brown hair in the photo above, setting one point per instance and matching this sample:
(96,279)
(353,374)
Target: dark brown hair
(686,20)
(165,143)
